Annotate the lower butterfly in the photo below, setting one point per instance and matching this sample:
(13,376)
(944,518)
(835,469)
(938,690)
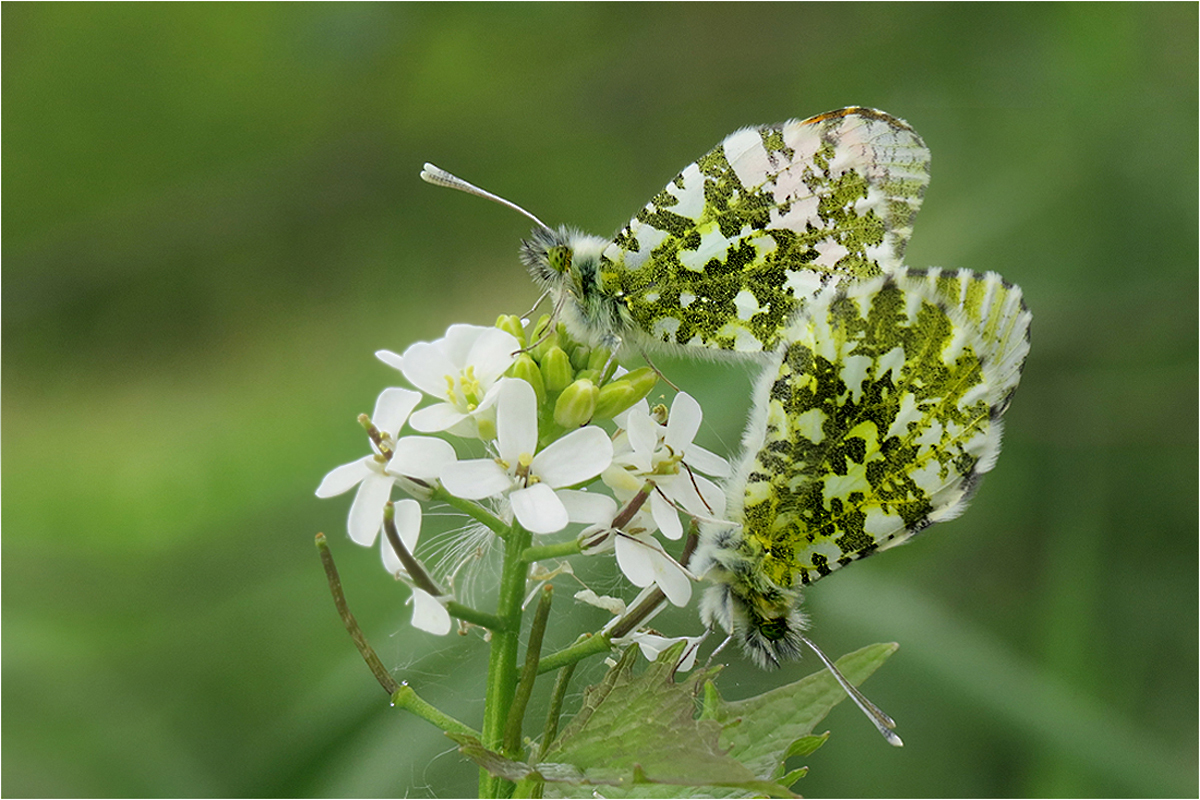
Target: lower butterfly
(876,418)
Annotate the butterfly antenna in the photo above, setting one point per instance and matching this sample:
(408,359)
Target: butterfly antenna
(882,721)
(439,177)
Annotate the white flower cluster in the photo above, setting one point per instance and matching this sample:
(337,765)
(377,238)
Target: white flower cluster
(537,471)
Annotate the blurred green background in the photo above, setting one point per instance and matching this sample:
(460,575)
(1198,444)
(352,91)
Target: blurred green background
(212,218)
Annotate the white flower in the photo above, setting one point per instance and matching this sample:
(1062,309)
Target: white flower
(530,478)
(429,614)
(419,457)
(651,644)
(459,369)
(666,455)
(644,562)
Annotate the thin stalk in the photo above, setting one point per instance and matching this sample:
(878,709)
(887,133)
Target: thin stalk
(405,697)
(360,640)
(472,510)
(533,651)
(534,787)
(593,644)
(502,661)
(544,551)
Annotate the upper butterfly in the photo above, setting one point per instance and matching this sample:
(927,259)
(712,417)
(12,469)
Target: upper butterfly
(724,256)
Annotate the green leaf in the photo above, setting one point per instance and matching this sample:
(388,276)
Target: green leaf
(641,736)
(762,731)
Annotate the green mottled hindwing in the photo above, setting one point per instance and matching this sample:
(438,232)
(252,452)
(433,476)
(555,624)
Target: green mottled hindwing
(877,417)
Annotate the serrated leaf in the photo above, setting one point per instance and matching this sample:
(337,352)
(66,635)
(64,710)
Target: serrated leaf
(639,731)
(640,735)
(806,745)
(759,731)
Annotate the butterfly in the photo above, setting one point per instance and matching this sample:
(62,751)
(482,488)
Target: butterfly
(876,418)
(722,258)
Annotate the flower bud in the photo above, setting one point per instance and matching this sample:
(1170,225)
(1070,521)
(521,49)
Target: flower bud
(556,369)
(588,374)
(576,404)
(539,331)
(579,356)
(510,323)
(621,394)
(598,359)
(527,370)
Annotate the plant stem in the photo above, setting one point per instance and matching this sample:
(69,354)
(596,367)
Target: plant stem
(559,550)
(406,698)
(533,651)
(594,643)
(360,640)
(473,510)
(502,662)
(475,616)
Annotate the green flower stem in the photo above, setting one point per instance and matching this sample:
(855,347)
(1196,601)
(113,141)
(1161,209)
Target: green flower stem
(592,645)
(556,703)
(533,651)
(474,616)
(502,662)
(360,641)
(472,510)
(544,551)
(406,698)
(533,787)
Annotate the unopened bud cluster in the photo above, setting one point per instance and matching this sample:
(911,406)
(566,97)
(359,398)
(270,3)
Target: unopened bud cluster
(575,384)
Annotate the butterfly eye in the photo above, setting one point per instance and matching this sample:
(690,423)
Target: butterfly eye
(559,258)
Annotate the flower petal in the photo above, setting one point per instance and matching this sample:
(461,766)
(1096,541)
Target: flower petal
(459,339)
(435,419)
(538,509)
(706,461)
(651,645)
(391,561)
(634,557)
(428,614)
(408,522)
(394,360)
(366,512)
(665,516)
(588,507)
(393,407)
(683,422)
(643,440)
(640,407)
(421,457)
(516,420)
(682,489)
(674,583)
(492,353)
(426,367)
(475,478)
(621,481)
(576,457)
(340,480)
